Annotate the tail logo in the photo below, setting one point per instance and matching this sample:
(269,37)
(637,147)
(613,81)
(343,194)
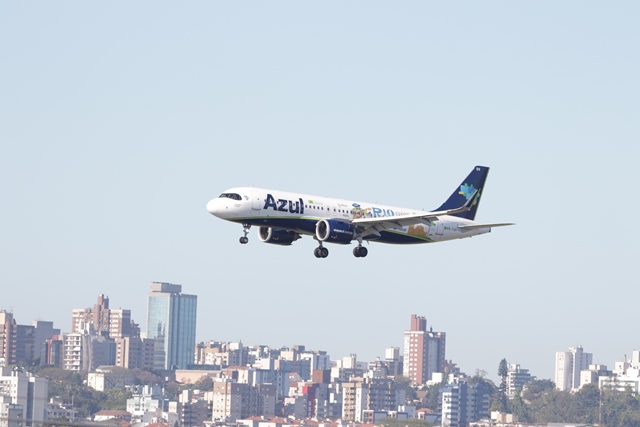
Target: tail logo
(467,190)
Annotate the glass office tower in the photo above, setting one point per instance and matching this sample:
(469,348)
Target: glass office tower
(171,321)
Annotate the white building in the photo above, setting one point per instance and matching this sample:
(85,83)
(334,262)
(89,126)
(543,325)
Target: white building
(517,377)
(56,410)
(569,364)
(25,390)
(149,400)
(10,413)
(108,377)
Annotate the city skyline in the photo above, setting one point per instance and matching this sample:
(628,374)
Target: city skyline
(433,343)
(120,123)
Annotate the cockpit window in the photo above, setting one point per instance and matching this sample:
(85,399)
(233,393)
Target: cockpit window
(233,196)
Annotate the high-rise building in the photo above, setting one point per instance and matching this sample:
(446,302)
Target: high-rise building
(22,343)
(568,367)
(8,337)
(461,403)
(424,351)
(27,391)
(85,351)
(171,322)
(44,331)
(517,377)
(112,323)
(233,401)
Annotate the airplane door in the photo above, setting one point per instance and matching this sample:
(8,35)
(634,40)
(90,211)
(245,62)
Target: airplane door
(256,204)
(439,228)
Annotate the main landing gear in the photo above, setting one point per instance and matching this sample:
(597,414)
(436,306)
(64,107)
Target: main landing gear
(360,251)
(244,239)
(321,252)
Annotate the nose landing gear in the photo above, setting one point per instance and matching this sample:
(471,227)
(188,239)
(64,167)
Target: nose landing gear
(244,239)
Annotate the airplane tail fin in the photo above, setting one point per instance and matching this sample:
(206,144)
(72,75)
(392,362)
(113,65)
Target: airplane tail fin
(474,181)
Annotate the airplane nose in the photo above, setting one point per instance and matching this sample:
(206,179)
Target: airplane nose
(213,207)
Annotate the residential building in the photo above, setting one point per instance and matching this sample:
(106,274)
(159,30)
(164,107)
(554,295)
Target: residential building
(85,351)
(43,331)
(569,364)
(8,337)
(424,351)
(57,410)
(171,322)
(591,375)
(11,415)
(108,377)
(462,403)
(26,390)
(517,377)
(147,399)
(355,395)
(233,401)
(112,323)
(191,408)
(53,351)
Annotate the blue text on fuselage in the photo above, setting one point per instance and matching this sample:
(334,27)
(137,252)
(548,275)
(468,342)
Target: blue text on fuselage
(284,205)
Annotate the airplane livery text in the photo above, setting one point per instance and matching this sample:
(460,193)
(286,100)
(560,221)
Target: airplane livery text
(284,205)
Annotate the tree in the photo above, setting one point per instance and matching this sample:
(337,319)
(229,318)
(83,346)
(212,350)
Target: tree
(536,388)
(503,372)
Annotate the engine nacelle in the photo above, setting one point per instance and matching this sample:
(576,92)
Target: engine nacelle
(277,236)
(333,231)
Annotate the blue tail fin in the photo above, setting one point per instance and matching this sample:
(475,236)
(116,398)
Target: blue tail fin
(475,181)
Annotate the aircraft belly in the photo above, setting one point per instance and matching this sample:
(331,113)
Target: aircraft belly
(402,238)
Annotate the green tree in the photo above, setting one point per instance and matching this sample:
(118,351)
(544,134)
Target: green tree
(503,372)
(536,388)
(587,401)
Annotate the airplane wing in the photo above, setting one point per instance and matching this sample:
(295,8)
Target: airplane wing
(383,223)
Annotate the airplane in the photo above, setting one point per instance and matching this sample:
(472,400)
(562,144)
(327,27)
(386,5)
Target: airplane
(283,217)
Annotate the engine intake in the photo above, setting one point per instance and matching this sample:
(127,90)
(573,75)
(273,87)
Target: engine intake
(333,231)
(277,236)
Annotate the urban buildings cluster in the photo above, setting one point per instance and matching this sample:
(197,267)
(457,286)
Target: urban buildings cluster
(255,385)
(574,369)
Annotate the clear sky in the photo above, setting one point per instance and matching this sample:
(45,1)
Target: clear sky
(120,120)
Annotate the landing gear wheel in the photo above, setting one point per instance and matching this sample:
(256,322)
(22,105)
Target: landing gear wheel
(321,252)
(360,252)
(245,229)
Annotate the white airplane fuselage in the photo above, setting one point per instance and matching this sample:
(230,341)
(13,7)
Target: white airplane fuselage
(283,217)
(301,212)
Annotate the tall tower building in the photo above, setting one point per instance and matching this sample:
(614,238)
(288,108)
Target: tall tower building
(112,323)
(171,322)
(568,367)
(8,337)
(424,351)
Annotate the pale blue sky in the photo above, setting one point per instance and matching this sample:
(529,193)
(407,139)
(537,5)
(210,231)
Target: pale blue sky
(120,120)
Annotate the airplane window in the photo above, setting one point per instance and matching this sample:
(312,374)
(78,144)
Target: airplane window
(233,196)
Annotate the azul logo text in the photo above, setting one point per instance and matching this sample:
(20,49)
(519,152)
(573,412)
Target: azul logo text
(284,205)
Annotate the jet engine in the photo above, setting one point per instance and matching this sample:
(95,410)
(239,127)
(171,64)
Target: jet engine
(333,231)
(277,236)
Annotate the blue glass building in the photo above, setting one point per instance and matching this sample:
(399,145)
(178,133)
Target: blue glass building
(171,322)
